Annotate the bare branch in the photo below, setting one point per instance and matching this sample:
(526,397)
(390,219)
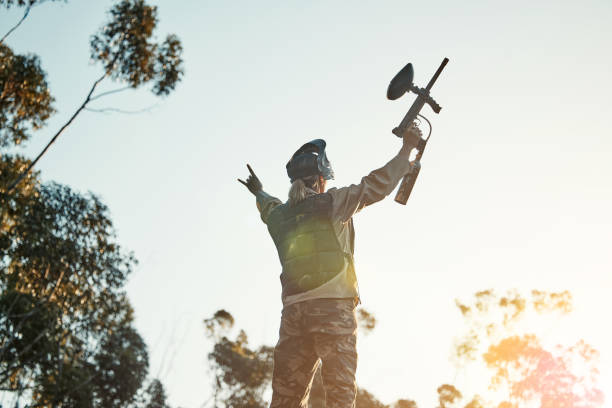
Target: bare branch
(59,132)
(177,347)
(93,98)
(127,112)
(18,24)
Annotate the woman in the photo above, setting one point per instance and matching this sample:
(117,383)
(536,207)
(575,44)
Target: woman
(314,236)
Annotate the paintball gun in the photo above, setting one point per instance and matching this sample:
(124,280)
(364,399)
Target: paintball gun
(401,84)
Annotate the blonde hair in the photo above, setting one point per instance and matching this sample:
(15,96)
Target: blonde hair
(297,192)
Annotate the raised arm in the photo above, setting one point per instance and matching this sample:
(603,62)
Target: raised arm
(265,202)
(349,200)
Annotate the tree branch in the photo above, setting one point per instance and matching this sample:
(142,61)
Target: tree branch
(59,132)
(116,110)
(18,24)
(125,88)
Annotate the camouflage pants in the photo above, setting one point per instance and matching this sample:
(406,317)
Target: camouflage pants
(312,331)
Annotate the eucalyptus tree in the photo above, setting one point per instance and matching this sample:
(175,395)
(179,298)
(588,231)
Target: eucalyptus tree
(67,335)
(126,49)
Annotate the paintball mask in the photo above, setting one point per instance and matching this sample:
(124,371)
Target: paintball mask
(310,160)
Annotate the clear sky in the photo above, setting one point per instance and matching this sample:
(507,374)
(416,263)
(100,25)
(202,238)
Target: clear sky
(514,192)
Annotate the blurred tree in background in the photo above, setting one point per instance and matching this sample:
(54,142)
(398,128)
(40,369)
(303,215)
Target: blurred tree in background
(67,336)
(521,369)
(240,374)
(25,101)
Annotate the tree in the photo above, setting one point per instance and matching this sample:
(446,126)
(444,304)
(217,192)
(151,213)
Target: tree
(156,396)
(564,377)
(241,374)
(66,325)
(67,336)
(123,47)
(25,100)
(448,395)
(365,399)
(522,369)
(402,403)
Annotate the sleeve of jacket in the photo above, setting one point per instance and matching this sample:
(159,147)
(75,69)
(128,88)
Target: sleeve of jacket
(347,201)
(265,204)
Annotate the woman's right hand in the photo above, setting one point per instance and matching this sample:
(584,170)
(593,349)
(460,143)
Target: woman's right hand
(411,138)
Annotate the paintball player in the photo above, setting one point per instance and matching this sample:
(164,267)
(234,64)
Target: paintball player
(313,233)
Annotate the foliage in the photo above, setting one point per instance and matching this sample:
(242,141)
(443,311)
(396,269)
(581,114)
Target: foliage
(241,374)
(522,369)
(66,327)
(155,396)
(565,377)
(25,100)
(476,402)
(365,399)
(125,49)
(366,320)
(402,403)
(219,323)
(447,395)
(490,316)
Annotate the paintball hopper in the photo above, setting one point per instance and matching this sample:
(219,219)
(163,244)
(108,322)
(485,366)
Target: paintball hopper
(310,160)
(401,83)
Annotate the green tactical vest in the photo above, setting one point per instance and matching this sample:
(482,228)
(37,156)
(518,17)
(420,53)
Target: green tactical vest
(308,248)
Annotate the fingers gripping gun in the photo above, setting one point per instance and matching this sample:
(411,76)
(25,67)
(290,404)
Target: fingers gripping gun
(401,84)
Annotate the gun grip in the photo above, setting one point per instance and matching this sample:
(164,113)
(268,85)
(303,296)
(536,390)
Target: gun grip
(403,193)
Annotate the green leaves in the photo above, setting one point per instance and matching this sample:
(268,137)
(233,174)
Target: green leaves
(62,236)
(124,46)
(241,372)
(66,326)
(121,366)
(168,65)
(25,100)
(154,396)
